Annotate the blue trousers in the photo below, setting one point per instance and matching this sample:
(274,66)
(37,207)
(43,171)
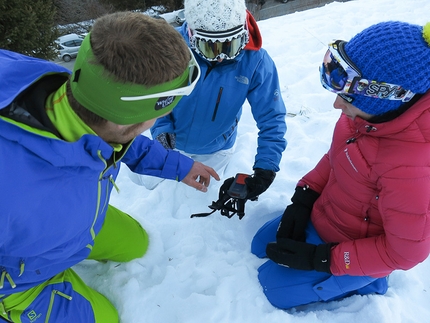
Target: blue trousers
(286,287)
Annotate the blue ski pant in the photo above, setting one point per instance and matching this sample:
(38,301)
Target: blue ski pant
(65,298)
(286,287)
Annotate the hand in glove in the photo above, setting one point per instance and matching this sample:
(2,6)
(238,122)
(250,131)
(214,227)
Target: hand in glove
(222,195)
(296,216)
(167,139)
(227,205)
(259,182)
(300,255)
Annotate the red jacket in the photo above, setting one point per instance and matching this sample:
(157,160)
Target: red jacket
(375,193)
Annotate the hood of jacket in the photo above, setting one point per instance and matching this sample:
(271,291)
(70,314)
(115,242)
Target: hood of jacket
(255,39)
(13,81)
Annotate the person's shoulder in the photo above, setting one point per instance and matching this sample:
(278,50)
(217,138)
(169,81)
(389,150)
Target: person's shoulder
(260,55)
(183,30)
(256,52)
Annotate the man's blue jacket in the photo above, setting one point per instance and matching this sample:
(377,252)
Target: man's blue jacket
(55,193)
(206,121)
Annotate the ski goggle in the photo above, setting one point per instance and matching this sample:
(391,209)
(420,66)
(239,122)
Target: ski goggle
(193,77)
(219,45)
(338,74)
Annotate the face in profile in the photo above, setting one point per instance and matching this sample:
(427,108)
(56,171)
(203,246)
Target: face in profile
(121,134)
(350,110)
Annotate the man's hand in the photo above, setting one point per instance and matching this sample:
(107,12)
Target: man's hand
(199,176)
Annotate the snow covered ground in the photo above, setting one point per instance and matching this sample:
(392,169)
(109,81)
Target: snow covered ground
(201,269)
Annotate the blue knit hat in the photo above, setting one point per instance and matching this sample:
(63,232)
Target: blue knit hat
(391,52)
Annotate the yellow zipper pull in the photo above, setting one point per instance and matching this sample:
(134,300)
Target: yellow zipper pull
(113,183)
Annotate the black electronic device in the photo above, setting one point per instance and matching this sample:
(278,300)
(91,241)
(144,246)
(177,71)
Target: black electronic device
(232,200)
(238,187)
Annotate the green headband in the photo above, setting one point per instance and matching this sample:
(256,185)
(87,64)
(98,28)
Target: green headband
(97,91)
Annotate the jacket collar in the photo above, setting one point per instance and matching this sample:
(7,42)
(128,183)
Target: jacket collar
(413,123)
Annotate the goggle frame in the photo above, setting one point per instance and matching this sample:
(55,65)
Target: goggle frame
(213,45)
(353,82)
(193,67)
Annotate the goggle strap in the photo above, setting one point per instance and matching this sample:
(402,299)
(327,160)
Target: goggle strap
(341,49)
(382,90)
(219,34)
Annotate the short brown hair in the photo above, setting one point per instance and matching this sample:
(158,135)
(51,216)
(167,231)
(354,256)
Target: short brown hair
(139,49)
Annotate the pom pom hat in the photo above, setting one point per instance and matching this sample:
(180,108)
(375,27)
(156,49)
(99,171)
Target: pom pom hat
(214,15)
(392,52)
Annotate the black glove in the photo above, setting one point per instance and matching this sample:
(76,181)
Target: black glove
(296,216)
(167,139)
(300,255)
(222,195)
(259,182)
(227,205)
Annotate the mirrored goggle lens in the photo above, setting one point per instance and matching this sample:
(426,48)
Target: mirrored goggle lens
(213,50)
(333,76)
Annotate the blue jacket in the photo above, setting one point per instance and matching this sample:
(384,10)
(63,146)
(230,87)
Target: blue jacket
(55,193)
(206,121)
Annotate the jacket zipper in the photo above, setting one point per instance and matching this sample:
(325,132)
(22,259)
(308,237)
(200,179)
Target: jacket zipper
(51,302)
(217,103)
(99,190)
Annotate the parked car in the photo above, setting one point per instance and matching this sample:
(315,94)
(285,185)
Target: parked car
(68,46)
(180,17)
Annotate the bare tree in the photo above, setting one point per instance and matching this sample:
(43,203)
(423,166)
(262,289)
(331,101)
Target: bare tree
(75,11)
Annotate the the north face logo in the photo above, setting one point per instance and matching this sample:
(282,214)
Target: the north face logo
(242,79)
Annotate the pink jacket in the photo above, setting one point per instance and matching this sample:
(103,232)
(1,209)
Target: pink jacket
(375,193)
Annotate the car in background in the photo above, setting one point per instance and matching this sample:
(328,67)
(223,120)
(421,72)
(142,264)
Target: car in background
(68,46)
(180,17)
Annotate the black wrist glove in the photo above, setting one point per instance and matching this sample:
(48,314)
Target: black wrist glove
(259,182)
(167,139)
(300,255)
(227,205)
(293,223)
(296,216)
